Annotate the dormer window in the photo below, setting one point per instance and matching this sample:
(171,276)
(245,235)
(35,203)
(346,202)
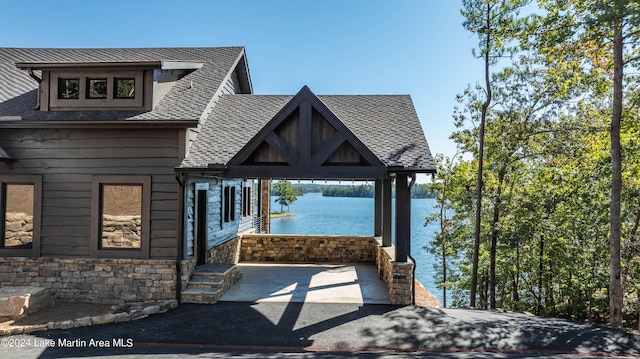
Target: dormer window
(81,86)
(125,88)
(69,89)
(96,88)
(88,90)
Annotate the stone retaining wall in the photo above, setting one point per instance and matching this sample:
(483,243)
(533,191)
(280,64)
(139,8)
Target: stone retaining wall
(291,248)
(106,281)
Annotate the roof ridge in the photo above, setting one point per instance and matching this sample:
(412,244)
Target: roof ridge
(120,48)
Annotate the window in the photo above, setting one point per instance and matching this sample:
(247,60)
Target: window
(120,216)
(90,90)
(20,215)
(229,204)
(246,201)
(125,88)
(96,88)
(68,88)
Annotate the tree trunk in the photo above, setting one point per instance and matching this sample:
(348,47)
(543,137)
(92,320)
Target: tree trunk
(615,291)
(540,276)
(516,279)
(485,108)
(444,277)
(494,238)
(443,233)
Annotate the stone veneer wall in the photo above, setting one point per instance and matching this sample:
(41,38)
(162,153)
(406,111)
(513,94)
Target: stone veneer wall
(187,267)
(291,248)
(225,253)
(107,281)
(397,275)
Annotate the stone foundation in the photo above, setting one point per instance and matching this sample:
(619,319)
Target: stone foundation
(225,253)
(106,281)
(290,248)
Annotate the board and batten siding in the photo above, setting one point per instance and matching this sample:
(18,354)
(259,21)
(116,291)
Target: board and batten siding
(68,160)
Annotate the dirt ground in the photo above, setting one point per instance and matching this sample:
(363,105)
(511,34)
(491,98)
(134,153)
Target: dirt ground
(424,298)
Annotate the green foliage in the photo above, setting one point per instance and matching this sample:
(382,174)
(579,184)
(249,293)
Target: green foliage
(285,192)
(548,168)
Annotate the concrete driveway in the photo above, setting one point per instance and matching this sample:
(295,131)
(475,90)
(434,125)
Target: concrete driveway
(308,283)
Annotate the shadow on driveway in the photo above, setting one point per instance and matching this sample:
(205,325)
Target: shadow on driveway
(321,327)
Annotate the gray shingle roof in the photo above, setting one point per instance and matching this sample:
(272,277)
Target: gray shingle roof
(387,124)
(18,93)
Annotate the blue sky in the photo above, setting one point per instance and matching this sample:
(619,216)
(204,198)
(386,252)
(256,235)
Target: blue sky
(415,47)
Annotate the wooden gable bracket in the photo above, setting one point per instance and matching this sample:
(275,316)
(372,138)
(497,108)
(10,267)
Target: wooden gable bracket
(295,144)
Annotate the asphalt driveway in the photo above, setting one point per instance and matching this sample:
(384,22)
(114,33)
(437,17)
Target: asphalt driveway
(278,329)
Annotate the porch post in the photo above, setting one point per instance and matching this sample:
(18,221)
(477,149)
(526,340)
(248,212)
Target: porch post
(402,217)
(386,212)
(377,213)
(264,209)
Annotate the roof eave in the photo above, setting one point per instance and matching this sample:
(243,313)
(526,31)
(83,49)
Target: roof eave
(162,64)
(101,124)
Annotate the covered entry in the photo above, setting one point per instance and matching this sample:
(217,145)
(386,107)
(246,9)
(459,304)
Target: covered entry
(374,138)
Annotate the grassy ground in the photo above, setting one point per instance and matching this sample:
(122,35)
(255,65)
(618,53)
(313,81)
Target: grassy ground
(280,214)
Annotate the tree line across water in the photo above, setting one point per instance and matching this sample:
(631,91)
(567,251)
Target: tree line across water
(419,190)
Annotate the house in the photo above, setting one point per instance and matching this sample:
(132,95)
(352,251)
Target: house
(122,170)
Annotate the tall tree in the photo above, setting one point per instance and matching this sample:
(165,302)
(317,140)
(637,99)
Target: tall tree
(442,245)
(286,193)
(605,33)
(495,22)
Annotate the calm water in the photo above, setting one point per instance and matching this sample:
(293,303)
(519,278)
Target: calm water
(314,214)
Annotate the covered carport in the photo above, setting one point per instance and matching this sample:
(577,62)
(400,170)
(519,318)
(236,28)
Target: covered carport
(308,137)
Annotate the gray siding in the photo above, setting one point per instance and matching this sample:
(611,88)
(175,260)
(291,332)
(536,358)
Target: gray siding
(67,159)
(218,232)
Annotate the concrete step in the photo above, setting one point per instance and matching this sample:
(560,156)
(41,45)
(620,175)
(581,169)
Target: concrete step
(201,295)
(205,282)
(209,282)
(213,270)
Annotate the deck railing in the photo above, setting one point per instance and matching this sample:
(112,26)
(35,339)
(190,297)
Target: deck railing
(259,224)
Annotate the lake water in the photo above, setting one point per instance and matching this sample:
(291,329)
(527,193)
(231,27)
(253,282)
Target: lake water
(314,214)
